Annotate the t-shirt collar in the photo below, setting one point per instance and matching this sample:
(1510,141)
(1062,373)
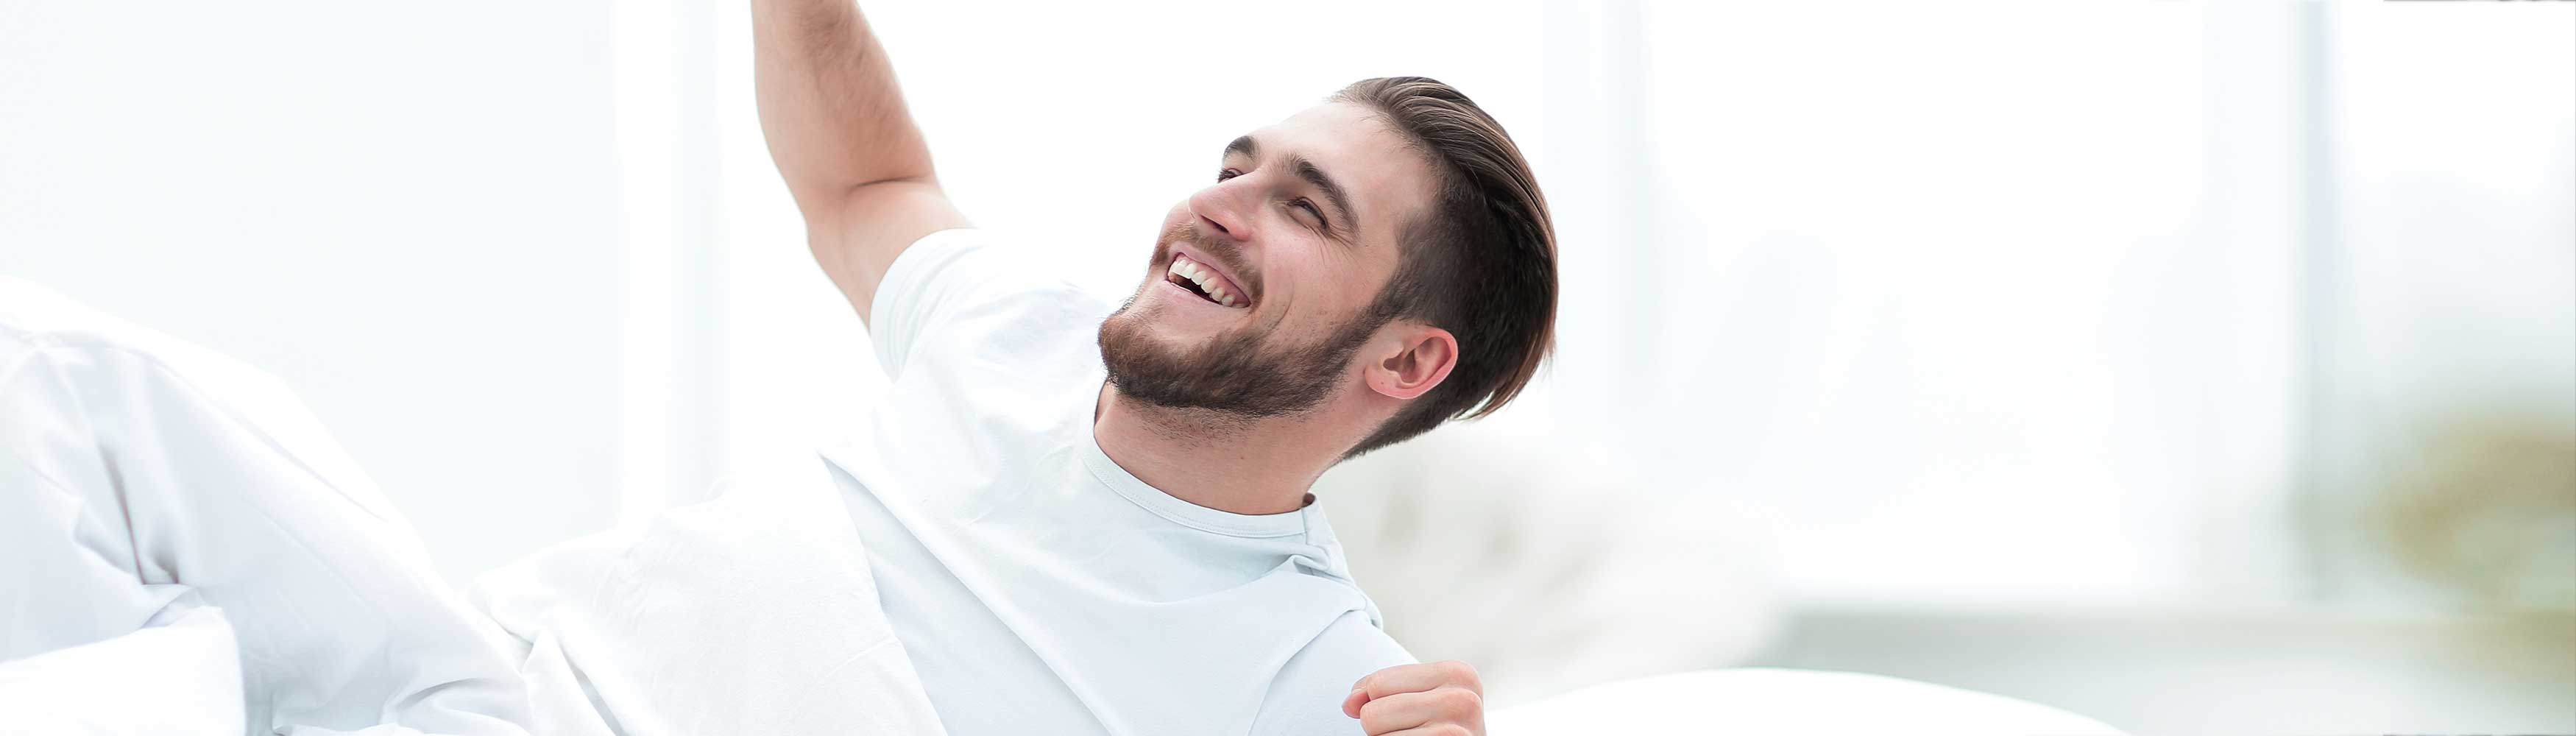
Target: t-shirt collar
(1181,512)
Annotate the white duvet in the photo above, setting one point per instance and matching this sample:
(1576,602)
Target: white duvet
(182,677)
(160,503)
(753,613)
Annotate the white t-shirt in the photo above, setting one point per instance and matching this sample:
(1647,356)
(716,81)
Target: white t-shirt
(1038,586)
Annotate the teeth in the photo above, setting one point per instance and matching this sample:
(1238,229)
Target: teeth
(1205,278)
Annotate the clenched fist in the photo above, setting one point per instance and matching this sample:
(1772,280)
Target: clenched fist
(1430,699)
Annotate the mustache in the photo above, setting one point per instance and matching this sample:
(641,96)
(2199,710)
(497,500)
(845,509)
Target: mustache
(1220,251)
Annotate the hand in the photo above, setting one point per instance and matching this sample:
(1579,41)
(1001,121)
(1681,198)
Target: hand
(1433,699)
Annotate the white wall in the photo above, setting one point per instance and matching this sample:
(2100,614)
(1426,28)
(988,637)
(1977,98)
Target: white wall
(2448,298)
(408,212)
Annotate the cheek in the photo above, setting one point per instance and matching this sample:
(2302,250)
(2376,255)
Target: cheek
(1324,293)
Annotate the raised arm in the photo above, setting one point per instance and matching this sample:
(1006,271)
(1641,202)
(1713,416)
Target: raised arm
(838,130)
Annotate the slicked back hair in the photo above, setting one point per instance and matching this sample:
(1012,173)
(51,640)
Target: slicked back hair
(1480,262)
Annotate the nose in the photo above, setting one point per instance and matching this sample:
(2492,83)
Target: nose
(1218,209)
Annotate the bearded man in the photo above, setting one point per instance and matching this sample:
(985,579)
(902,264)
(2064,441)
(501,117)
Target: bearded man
(1061,520)
(1102,525)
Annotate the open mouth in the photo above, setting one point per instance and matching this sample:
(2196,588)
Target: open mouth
(1203,281)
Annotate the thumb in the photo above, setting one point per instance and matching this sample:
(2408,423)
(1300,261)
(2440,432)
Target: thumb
(1351,705)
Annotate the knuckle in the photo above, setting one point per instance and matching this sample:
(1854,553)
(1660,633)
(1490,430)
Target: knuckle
(1460,672)
(1461,701)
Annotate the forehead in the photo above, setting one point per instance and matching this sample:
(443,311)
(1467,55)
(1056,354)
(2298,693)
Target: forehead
(1387,178)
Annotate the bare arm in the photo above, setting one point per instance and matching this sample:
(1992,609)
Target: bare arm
(839,133)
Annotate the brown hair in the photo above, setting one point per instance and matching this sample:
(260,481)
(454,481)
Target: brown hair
(1480,263)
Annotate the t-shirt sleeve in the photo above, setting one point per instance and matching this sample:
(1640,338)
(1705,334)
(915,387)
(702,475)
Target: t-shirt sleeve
(1306,698)
(921,277)
(950,272)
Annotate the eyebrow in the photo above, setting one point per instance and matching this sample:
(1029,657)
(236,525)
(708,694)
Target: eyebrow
(1332,190)
(1307,170)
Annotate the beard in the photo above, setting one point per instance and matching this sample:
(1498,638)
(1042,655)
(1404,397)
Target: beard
(1241,372)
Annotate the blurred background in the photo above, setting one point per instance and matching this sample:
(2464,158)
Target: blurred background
(2197,367)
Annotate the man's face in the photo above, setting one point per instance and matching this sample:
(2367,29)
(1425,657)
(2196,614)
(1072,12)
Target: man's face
(1258,291)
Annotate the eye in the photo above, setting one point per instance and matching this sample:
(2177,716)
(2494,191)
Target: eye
(1227,174)
(1309,206)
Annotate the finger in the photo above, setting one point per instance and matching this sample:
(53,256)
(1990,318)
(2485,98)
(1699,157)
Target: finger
(1413,678)
(1413,710)
(1351,705)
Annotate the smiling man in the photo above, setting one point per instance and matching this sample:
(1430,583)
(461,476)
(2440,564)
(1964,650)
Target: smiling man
(1062,519)
(1081,523)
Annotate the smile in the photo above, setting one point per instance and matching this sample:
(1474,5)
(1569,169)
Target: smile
(1199,279)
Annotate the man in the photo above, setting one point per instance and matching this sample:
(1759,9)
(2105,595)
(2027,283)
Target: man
(1056,523)
(1103,525)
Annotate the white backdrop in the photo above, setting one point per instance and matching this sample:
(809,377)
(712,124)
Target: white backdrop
(409,215)
(1984,303)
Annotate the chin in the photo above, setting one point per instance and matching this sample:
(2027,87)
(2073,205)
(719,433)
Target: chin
(1170,330)
(1149,318)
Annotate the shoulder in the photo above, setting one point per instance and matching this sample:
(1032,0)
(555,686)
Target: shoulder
(1306,696)
(973,289)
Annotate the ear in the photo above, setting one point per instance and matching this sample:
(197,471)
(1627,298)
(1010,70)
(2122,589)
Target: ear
(1417,361)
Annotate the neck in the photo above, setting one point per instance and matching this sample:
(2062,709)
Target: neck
(1227,463)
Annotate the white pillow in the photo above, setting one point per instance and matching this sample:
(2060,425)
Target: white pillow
(1534,557)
